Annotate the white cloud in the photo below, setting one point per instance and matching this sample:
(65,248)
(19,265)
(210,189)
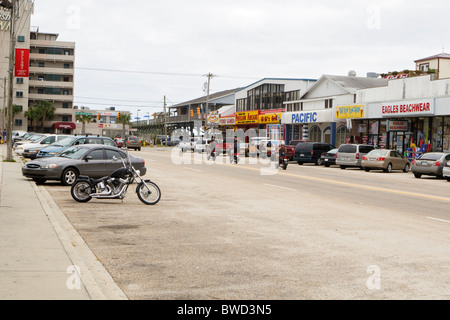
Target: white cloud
(252,39)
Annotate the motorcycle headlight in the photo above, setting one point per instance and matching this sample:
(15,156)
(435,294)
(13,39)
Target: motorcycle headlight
(49,166)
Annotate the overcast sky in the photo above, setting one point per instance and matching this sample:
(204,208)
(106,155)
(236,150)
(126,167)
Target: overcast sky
(154,49)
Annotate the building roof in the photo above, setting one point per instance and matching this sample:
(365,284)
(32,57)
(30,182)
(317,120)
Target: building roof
(212,96)
(440,55)
(353,83)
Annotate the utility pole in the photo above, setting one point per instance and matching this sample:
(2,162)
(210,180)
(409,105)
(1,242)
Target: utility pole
(12,58)
(165,120)
(209,75)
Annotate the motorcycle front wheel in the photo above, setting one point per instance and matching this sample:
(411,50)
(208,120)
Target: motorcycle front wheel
(150,194)
(81,191)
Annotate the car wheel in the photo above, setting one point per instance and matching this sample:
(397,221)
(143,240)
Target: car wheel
(342,167)
(69,176)
(406,169)
(448,179)
(327,165)
(300,163)
(418,175)
(388,168)
(366,169)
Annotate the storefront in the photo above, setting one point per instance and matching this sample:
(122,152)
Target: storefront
(317,126)
(403,125)
(64,127)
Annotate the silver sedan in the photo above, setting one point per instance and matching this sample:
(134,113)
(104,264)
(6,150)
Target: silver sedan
(430,164)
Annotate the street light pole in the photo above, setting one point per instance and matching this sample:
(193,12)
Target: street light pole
(12,58)
(209,75)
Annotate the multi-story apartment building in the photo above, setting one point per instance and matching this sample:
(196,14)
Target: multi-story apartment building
(52,78)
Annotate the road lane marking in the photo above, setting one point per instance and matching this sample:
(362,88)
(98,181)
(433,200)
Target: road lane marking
(358,186)
(436,219)
(192,169)
(279,187)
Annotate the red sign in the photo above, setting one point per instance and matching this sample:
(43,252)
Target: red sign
(22,63)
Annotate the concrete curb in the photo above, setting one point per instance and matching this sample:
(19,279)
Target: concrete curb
(97,280)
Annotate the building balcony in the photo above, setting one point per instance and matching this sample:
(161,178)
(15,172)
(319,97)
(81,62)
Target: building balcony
(183,118)
(45,70)
(51,44)
(50,97)
(51,84)
(51,57)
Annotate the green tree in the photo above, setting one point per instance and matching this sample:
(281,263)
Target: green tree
(124,119)
(48,111)
(83,118)
(34,114)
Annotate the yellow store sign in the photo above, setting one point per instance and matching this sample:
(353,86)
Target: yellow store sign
(248,117)
(350,112)
(271,118)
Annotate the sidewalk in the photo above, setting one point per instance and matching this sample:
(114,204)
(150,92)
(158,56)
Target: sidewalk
(42,257)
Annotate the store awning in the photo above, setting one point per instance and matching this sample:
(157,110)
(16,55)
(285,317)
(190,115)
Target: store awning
(64,125)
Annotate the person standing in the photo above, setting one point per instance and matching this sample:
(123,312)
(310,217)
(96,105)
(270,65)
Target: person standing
(4,135)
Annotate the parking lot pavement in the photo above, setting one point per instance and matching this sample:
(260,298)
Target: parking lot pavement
(223,231)
(41,256)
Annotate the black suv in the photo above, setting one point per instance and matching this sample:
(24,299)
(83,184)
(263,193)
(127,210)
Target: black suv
(310,152)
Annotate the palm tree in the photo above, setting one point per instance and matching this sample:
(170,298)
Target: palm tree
(83,118)
(48,110)
(124,119)
(34,114)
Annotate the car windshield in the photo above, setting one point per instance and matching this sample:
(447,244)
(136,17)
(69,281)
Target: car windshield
(36,137)
(64,142)
(377,153)
(74,152)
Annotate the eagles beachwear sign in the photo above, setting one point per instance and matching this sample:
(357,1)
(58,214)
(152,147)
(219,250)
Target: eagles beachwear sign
(407,108)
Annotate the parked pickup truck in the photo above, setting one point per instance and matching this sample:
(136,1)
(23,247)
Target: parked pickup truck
(290,148)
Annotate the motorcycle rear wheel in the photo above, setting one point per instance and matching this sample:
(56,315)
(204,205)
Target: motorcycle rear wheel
(150,195)
(81,191)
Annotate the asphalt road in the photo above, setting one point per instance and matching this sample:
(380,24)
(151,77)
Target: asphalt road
(226,231)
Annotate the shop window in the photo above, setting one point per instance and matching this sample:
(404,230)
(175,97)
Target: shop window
(315,134)
(342,133)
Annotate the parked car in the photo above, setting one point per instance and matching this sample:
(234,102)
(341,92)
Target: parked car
(200,145)
(310,152)
(24,137)
(62,145)
(350,155)
(386,160)
(46,141)
(430,164)
(133,142)
(328,158)
(92,160)
(188,144)
(172,142)
(290,148)
(446,169)
(34,138)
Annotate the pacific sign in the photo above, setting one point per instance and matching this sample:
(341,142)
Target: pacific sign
(307,117)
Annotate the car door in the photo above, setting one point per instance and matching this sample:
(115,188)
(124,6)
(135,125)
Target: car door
(113,160)
(93,163)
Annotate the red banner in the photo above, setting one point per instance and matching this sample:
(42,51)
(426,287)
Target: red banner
(22,63)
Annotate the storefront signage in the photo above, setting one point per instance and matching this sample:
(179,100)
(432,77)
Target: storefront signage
(350,112)
(230,121)
(22,63)
(270,118)
(249,117)
(307,117)
(65,125)
(397,126)
(408,108)
(213,118)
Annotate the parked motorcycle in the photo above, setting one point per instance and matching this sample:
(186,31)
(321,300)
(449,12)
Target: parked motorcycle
(116,186)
